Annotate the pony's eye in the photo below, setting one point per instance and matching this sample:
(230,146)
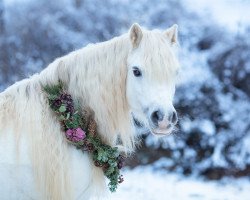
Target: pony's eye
(136,71)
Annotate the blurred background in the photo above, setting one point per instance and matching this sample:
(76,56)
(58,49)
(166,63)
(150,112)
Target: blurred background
(213,97)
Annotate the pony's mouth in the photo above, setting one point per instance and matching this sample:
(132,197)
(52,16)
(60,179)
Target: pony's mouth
(162,132)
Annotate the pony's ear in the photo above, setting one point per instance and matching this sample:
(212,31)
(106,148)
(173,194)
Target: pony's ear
(135,35)
(171,33)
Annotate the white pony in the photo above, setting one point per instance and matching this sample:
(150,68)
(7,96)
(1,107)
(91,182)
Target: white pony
(133,74)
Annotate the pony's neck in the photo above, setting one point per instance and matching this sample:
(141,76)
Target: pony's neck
(96,75)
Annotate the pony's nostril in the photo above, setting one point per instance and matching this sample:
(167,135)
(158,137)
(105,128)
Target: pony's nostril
(174,118)
(157,116)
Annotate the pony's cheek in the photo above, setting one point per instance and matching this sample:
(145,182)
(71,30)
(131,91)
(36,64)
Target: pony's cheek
(134,101)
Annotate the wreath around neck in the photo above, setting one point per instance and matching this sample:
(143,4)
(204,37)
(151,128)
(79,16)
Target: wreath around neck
(81,131)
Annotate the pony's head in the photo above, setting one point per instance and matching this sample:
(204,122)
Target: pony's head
(152,69)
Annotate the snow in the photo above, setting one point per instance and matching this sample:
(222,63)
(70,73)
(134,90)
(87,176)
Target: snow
(143,183)
(230,13)
(206,126)
(163,162)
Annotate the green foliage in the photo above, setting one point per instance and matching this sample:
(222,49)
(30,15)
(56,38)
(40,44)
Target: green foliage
(53,90)
(62,109)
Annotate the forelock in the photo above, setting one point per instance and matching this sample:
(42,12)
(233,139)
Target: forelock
(158,55)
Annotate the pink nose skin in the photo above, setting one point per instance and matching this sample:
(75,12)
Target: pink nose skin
(164,124)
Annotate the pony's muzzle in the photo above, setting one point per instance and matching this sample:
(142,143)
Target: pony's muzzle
(163,122)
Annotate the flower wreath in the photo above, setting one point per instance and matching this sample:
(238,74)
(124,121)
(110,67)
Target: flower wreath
(81,131)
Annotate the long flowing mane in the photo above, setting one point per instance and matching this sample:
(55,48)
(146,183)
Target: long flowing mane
(94,75)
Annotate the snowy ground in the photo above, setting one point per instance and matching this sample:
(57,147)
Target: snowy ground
(143,183)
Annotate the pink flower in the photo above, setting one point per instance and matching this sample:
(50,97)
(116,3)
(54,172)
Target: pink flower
(75,135)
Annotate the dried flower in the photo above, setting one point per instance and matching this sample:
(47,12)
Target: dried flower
(75,135)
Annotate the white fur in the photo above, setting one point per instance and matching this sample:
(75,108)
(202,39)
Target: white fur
(35,160)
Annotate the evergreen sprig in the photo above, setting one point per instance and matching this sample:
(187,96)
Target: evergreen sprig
(80,130)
